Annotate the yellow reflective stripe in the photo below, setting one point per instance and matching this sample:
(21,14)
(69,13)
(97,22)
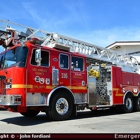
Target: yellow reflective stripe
(73,87)
(115,89)
(48,87)
(79,87)
(21,86)
(119,94)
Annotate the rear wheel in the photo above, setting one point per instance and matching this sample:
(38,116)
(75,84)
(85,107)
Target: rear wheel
(137,103)
(61,106)
(30,113)
(128,104)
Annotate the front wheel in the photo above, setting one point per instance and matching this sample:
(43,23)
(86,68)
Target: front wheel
(128,104)
(61,106)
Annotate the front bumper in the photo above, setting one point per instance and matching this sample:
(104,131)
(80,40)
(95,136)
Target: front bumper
(10,100)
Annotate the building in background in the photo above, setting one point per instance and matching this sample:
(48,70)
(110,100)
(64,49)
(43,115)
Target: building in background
(127,47)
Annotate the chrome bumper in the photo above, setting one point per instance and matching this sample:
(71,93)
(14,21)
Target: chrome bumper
(10,100)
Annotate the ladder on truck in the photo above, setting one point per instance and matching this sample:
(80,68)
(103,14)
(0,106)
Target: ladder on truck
(55,40)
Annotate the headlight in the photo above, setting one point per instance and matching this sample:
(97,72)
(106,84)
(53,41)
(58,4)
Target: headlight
(8,86)
(8,83)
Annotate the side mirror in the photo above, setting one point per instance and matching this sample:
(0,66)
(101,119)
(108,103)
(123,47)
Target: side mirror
(38,56)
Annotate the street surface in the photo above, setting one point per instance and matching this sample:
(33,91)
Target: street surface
(101,121)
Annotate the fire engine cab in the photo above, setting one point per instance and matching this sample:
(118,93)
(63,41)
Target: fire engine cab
(58,75)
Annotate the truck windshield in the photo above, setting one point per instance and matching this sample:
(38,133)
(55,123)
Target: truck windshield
(15,57)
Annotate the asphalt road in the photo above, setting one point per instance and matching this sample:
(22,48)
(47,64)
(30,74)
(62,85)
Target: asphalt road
(102,121)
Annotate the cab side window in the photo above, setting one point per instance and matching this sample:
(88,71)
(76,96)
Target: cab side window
(44,60)
(77,64)
(64,61)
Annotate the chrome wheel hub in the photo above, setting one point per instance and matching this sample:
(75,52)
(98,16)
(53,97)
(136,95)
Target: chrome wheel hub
(128,103)
(62,106)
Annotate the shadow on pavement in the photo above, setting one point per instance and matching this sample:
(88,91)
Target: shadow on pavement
(42,118)
(3,109)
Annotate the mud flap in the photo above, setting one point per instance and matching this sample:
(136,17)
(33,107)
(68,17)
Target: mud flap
(74,112)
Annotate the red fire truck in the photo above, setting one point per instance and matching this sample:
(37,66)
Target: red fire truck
(58,75)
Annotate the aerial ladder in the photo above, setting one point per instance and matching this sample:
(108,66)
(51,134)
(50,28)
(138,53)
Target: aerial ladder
(21,33)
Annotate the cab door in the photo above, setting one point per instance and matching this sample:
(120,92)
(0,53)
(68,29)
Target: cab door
(78,77)
(64,70)
(39,77)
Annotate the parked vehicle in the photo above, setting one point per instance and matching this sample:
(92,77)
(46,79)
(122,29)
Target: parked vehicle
(58,75)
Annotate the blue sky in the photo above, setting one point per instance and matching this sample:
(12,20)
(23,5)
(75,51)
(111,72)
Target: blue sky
(100,22)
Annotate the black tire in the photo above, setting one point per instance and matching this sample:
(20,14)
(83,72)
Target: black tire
(128,104)
(137,103)
(61,106)
(30,113)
